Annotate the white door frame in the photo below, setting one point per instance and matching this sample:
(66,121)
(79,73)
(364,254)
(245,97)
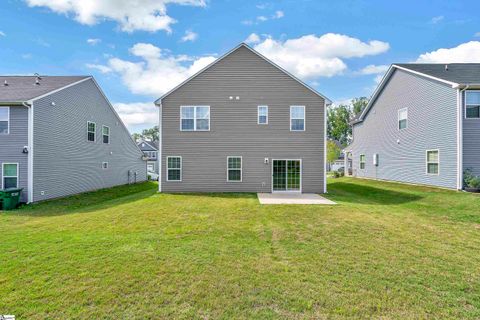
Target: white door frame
(286,180)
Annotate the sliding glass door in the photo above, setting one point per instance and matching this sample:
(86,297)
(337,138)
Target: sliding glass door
(286,175)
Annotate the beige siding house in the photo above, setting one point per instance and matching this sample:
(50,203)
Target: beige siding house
(242,124)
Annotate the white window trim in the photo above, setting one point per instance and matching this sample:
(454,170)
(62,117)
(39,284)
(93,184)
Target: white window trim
(364,162)
(195,118)
(258,114)
(304,119)
(105,134)
(426,162)
(181,169)
(151,164)
(94,132)
(103,165)
(18,172)
(241,169)
(8,121)
(466,105)
(398,119)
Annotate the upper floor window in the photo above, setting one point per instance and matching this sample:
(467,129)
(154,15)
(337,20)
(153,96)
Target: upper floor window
(91,130)
(472,104)
(262,115)
(402,118)
(433,161)
(362,161)
(4,120)
(106,134)
(195,118)
(234,168)
(297,118)
(10,175)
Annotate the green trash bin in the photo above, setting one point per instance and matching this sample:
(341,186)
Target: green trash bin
(10,198)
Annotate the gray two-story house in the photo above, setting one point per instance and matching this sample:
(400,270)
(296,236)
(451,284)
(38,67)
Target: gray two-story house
(60,136)
(150,151)
(242,124)
(422,126)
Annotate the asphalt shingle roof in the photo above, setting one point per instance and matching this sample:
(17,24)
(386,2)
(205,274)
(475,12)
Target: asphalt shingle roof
(461,73)
(23,88)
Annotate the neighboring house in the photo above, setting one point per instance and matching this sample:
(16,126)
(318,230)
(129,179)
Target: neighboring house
(150,150)
(60,136)
(242,124)
(421,126)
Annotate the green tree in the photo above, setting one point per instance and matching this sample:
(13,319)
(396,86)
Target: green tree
(136,136)
(151,134)
(359,104)
(333,151)
(338,126)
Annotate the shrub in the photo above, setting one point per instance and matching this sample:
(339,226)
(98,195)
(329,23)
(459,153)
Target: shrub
(474,183)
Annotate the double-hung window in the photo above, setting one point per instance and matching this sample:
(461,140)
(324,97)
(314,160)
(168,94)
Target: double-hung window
(106,134)
(91,130)
(174,168)
(297,118)
(362,161)
(402,118)
(4,120)
(433,162)
(195,118)
(234,169)
(10,175)
(262,115)
(472,102)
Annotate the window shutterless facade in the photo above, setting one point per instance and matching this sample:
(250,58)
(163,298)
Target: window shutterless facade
(106,134)
(174,168)
(4,120)
(91,131)
(433,162)
(234,165)
(402,118)
(9,175)
(195,118)
(472,104)
(262,112)
(362,161)
(297,118)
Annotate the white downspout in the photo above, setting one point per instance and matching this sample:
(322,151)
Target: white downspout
(460,114)
(325,148)
(29,105)
(160,138)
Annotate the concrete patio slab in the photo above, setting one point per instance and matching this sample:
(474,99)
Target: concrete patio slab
(292,198)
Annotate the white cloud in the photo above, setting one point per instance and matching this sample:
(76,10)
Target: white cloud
(465,52)
(252,38)
(27,56)
(437,19)
(278,14)
(138,113)
(477,34)
(378,78)
(93,41)
(99,67)
(146,15)
(2,34)
(157,73)
(189,36)
(311,56)
(373,69)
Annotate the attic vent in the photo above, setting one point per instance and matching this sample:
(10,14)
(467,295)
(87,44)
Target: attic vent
(37,79)
(446,67)
(5,83)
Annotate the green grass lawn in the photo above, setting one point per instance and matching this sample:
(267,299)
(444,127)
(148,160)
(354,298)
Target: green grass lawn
(386,251)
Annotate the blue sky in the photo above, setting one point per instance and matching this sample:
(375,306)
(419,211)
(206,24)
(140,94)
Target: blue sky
(136,53)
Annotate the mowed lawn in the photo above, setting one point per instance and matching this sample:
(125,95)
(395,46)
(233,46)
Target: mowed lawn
(386,251)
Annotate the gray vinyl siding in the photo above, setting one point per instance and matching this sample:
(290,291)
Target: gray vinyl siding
(432,116)
(471,143)
(234,130)
(65,162)
(11,147)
